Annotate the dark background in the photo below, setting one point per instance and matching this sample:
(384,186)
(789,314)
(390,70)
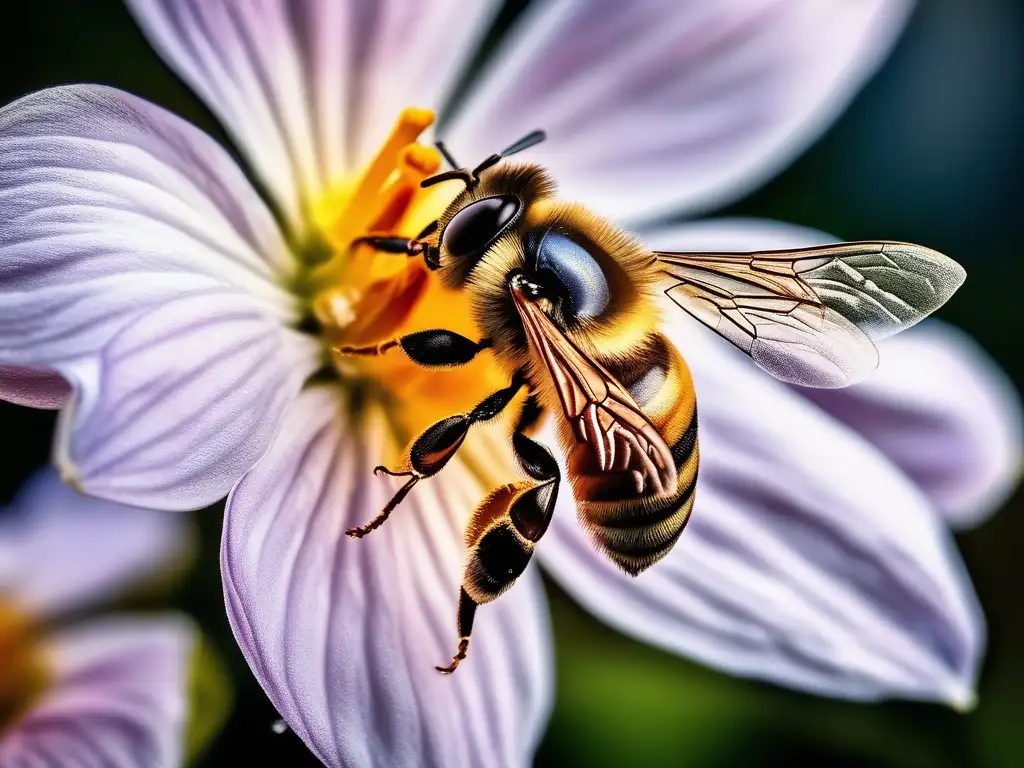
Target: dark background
(930,152)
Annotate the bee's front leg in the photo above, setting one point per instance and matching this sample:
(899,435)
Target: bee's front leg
(416,246)
(435,348)
(503,532)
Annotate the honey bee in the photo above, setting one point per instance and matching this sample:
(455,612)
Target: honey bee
(568,303)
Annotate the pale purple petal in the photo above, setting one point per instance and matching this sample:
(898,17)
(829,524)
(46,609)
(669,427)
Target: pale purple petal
(118,699)
(738,235)
(111,205)
(414,54)
(309,88)
(182,402)
(938,406)
(655,107)
(61,551)
(33,387)
(809,560)
(944,411)
(344,634)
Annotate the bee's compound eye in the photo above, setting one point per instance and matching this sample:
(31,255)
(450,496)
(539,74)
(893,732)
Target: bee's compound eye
(578,271)
(473,229)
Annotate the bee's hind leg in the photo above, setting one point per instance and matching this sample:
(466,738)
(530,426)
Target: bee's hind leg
(435,447)
(502,534)
(467,612)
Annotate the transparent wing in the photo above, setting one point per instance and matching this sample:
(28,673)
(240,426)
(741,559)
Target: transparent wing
(810,316)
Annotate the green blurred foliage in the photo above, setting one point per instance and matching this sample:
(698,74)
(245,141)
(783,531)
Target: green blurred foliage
(930,152)
(621,703)
(210,699)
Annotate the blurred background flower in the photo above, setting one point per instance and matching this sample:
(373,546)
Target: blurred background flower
(118,690)
(927,155)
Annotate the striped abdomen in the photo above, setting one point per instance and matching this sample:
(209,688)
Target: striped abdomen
(636,530)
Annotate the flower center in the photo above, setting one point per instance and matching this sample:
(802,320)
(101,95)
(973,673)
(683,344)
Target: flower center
(365,296)
(24,673)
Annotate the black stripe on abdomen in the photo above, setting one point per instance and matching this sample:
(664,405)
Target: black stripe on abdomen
(682,449)
(642,533)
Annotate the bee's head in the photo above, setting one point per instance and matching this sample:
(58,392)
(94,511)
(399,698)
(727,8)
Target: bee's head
(483,216)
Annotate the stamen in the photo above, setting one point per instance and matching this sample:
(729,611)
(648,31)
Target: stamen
(415,163)
(362,205)
(408,127)
(384,305)
(363,295)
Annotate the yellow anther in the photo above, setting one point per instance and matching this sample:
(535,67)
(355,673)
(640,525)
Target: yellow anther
(363,202)
(415,120)
(416,162)
(410,124)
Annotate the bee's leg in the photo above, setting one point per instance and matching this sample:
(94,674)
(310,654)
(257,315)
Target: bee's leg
(378,521)
(503,532)
(467,612)
(416,246)
(530,512)
(530,414)
(436,445)
(432,349)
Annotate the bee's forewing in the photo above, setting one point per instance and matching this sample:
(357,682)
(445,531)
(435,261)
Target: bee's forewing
(601,411)
(809,316)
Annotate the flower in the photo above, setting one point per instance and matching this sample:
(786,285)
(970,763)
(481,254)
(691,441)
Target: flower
(139,265)
(112,690)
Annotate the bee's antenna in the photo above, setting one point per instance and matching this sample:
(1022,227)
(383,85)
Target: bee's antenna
(472,178)
(446,154)
(529,140)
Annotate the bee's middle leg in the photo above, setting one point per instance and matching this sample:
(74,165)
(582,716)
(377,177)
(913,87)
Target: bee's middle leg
(435,447)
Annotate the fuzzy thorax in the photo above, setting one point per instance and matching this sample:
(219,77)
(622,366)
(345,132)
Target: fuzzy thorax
(625,262)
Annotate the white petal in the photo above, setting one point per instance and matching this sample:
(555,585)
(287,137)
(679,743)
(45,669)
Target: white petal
(937,406)
(182,402)
(115,210)
(344,634)
(295,81)
(111,205)
(809,560)
(61,551)
(654,107)
(118,700)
